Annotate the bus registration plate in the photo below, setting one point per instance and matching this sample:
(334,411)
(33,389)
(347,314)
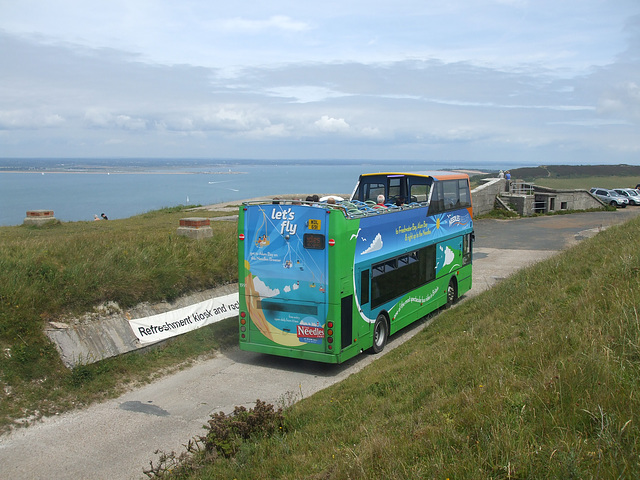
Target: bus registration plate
(314,224)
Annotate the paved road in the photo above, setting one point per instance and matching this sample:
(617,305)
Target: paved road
(503,246)
(117,439)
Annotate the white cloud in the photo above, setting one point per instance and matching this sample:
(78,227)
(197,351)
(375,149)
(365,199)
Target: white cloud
(507,79)
(621,100)
(276,22)
(129,123)
(449,256)
(29,119)
(263,289)
(289,288)
(305,93)
(375,245)
(270,131)
(329,124)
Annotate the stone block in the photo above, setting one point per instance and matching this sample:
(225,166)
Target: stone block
(195,227)
(38,217)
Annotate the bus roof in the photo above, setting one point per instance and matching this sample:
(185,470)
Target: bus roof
(437,174)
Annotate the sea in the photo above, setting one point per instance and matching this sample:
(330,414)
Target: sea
(77,189)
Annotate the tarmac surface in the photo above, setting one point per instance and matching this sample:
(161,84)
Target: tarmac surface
(117,439)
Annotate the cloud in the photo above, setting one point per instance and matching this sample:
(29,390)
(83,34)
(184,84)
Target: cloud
(289,288)
(29,119)
(621,100)
(328,124)
(449,256)
(275,22)
(311,84)
(375,245)
(263,289)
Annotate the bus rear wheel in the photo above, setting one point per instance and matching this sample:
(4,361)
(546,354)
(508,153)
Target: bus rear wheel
(380,334)
(452,292)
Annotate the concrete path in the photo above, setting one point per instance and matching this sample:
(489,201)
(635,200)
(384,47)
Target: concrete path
(117,439)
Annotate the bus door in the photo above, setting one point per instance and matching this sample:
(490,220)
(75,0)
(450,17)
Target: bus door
(346,312)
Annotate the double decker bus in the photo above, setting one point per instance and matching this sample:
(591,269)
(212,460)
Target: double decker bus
(325,281)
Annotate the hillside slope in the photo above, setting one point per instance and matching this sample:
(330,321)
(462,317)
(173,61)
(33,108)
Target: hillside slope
(536,378)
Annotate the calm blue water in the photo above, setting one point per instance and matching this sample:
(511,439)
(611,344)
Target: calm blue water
(122,188)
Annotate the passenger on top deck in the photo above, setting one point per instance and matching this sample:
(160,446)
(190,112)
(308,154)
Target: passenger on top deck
(380,203)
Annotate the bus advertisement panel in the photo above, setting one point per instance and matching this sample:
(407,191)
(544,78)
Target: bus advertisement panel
(285,284)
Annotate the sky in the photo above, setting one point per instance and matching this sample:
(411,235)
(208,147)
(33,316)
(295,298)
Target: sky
(524,82)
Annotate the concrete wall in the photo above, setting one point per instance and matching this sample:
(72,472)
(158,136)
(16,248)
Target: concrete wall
(107,333)
(523,204)
(484,196)
(574,199)
(532,199)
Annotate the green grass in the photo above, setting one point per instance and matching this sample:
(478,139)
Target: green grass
(535,378)
(586,183)
(67,269)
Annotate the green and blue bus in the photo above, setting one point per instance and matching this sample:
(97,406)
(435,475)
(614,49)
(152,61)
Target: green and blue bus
(327,281)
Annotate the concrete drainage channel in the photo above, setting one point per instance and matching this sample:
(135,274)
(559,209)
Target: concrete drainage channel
(106,332)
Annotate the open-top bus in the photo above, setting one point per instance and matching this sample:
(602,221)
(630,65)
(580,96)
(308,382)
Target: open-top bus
(326,281)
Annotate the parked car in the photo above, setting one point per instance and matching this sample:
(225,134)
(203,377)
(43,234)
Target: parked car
(610,197)
(631,193)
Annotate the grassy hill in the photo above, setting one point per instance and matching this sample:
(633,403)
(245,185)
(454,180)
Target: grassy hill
(580,176)
(575,171)
(573,176)
(67,269)
(536,378)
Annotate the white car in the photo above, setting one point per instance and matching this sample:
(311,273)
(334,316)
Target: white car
(632,195)
(610,197)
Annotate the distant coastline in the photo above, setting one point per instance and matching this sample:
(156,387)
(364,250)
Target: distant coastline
(76,189)
(120,172)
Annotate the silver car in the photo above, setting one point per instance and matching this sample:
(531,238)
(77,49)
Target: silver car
(632,195)
(610,197)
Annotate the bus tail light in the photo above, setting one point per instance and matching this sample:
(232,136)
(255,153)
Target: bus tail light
(330,335)
(243,323)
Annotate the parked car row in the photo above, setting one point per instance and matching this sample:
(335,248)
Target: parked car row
(631,193)
(617,197)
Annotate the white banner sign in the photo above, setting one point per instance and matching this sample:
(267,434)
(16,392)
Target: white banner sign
(164,325)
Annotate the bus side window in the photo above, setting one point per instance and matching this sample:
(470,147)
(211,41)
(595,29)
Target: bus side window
(396,189)
(437,199)
(463,192)
(449,195)
(418,190)
(364,287)
(372,190)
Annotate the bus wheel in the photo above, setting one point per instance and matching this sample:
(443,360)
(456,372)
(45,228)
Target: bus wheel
(380,334)
(452,292)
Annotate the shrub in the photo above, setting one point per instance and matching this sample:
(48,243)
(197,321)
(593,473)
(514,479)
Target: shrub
(225,436)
